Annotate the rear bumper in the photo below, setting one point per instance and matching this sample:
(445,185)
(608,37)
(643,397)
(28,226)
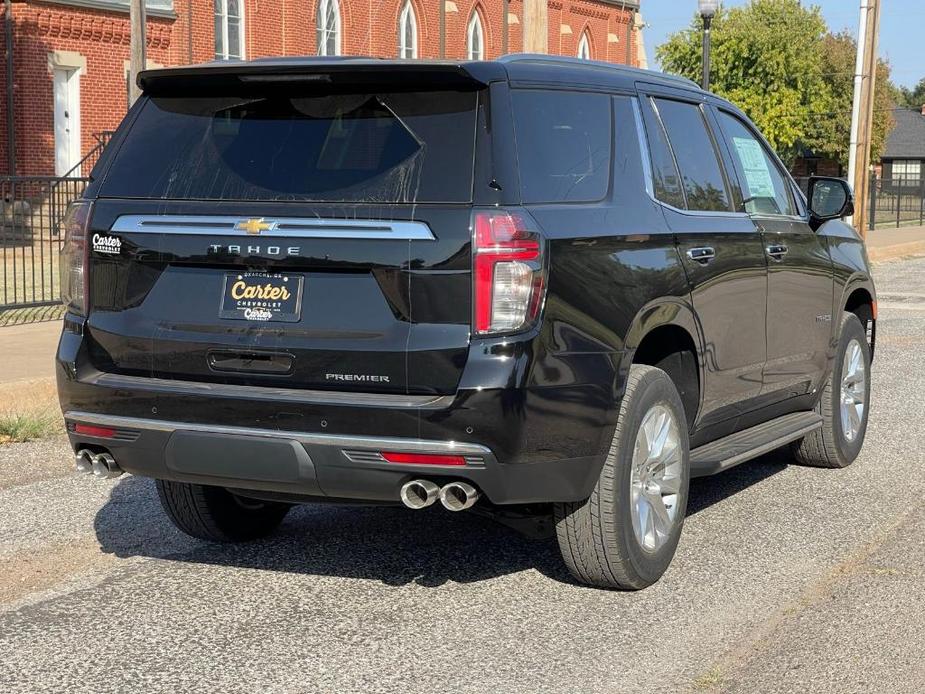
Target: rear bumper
(536,441)
(303,464)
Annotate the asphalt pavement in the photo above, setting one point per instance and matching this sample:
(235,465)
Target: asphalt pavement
(787,579)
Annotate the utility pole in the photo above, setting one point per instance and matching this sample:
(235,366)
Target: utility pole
(536,26)
(862,114)
(137,24)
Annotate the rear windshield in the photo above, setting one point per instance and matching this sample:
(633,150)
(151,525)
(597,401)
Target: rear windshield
(399,147)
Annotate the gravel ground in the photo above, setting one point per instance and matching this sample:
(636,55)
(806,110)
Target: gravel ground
(787,579)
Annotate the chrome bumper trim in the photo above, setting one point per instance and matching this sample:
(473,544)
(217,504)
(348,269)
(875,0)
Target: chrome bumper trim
(332,440)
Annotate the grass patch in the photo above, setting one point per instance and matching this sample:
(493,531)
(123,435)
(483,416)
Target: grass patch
(16,427)
(711,679)
(29,410)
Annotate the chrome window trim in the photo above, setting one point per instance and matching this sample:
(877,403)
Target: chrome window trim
(649,176)
(332,440)
(644,149)
(283,227)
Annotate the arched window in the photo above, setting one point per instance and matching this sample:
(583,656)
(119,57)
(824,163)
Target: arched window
(584,47)
(475,38)
(229,29)
(407,32)
(328,27)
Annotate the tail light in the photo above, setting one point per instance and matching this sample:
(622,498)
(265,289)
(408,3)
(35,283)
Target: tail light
(74,256)
(508,272)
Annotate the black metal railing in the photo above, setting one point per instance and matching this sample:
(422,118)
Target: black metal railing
(31,211)
(894,202)
(85,165)
(897,202)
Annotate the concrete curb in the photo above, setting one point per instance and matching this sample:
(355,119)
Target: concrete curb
(896,252)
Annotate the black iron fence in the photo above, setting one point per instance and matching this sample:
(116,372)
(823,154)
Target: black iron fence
(31,211)
(896,202)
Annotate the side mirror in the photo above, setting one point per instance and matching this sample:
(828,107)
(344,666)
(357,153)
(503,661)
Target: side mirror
(829,198)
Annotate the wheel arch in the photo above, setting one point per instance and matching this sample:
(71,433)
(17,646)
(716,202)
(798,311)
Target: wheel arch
(666,334)
(860,299)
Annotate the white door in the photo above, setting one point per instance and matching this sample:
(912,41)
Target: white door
(67,121)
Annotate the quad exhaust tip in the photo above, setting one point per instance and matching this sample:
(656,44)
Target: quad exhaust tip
(455,496)
(418,494)
(101,465)
(83,461)
(458,496)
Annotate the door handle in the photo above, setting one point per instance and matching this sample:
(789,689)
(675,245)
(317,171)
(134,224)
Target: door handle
(702,255)
(777,251)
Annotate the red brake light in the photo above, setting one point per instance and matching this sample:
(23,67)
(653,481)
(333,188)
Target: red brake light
(423,458)
(507,272)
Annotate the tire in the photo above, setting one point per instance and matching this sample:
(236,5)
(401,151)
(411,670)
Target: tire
(217,515)
(831,446)
(597,537)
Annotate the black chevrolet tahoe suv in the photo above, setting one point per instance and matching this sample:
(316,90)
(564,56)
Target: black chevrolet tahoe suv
(546,289)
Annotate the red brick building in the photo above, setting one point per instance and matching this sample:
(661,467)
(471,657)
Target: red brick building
(70,57)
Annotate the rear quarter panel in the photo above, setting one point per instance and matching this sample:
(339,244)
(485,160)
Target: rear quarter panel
(614,274)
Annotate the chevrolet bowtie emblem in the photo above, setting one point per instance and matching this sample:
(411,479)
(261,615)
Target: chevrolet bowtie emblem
(254,226)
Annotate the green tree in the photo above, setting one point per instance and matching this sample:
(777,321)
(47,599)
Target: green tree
(912,98)
(768,60)
(830,136)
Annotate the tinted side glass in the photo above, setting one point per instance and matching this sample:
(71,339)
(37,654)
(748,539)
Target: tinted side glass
(329,148)
(764,188)
(666,179)
(696,156)
(563,145)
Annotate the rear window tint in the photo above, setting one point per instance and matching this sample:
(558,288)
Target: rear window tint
(563,145)
(403,147)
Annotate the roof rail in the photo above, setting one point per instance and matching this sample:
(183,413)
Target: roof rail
(582,62)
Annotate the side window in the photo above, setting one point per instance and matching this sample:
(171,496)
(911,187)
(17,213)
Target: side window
(563,145)
(701,174)
(666,179)
(765,190)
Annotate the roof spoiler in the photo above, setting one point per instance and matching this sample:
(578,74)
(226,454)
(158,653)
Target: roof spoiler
(229,77)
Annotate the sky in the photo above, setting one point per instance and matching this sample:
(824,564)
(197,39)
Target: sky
(901,31)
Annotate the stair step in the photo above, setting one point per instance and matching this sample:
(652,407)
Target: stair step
(736,448)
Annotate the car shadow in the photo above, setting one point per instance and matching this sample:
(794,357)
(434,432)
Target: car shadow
(393,545)
(706,491)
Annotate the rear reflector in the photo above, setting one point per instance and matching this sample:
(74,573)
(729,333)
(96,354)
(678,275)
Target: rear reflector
(423,458)
(88,430)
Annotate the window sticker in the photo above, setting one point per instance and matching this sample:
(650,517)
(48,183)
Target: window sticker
(755,164)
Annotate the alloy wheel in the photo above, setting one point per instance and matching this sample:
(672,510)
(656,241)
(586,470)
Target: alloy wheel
(655,482)
(853,390)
